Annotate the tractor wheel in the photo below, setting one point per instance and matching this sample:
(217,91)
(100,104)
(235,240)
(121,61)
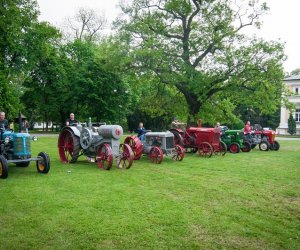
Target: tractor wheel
(136,146)
(68,146)
(264,146)
(156,155)
(276,146)
(104,157)
(222,149)
(126,156)
(177,138)
(3,167)
(23,164)
(205,149)
(234,148)
(178,156)
(246,146)
(43,164)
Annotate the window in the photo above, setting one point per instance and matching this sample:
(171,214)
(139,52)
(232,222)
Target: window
(297,115)
(297,91)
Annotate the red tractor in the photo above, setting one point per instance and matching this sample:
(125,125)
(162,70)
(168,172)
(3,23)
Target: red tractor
(264,138)
(204,140)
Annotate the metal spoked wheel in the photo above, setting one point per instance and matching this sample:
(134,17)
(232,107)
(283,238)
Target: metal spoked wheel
(104,157)
(156,155)
(246,146)
(3,167)
(205,150)
(68,146)
(222,149)
(43,164)
(178,156)
(136,146)
(126,157)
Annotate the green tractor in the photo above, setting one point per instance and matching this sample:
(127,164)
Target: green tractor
(234,140)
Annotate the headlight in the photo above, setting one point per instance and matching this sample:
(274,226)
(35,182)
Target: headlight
(7,139)
(34,138)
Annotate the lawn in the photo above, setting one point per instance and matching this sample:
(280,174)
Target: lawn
(242,201)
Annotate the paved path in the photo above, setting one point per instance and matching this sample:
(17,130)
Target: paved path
(42,135)
(287,139)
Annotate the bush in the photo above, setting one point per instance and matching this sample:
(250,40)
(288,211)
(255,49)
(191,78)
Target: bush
(291,125)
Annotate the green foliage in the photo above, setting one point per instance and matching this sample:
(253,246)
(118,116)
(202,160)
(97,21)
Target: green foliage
(291,125)
(197,47)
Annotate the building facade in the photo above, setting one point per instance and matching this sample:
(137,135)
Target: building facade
(293,84)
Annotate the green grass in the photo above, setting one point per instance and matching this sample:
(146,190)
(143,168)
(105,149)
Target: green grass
(243,201)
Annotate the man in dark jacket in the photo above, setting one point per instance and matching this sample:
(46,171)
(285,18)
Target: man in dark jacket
(71,121)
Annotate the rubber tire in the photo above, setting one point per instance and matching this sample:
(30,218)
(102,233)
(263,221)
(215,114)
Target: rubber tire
(234,148)
(264,146)
(4,166)
(276,146)
(46,161)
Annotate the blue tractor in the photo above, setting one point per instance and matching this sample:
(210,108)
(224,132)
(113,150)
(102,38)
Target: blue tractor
(16,148)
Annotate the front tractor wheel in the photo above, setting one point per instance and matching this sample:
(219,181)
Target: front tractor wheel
(126,157)
(275,146)
(3,167)
(178,156)
(156,155)
(68,146)
(205,150)
(104,157)
(234,148)
(264,146)
(246,146)
(136,146)
(43,164)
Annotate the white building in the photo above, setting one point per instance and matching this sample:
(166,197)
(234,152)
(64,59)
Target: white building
(293,84)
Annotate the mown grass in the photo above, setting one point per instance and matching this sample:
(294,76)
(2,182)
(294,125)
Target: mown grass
(243,201)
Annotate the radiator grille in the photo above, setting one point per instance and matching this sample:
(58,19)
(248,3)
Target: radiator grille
(170,142)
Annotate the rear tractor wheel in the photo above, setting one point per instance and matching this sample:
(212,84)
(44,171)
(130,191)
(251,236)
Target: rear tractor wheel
(68,146)
(3,167)
(136,146)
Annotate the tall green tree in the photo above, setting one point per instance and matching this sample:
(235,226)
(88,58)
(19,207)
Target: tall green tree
(198,47)
(16,19)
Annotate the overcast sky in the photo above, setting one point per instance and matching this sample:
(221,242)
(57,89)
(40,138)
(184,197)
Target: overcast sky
(282,22)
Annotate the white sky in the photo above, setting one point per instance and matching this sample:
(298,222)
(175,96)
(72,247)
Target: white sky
(282,22)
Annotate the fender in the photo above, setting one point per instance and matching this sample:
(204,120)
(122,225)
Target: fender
(74,129)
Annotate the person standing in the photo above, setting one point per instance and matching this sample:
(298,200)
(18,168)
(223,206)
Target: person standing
(71,121)
(3,121)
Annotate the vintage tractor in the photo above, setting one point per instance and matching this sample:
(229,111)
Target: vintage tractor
(234,140)
(155,145)
(264,138)
(16,148)
(98,142)
(204,140)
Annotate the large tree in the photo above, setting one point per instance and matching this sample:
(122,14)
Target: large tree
(16,20)
(198,46)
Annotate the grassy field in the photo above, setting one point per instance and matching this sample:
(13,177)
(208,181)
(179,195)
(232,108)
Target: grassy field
(243,201)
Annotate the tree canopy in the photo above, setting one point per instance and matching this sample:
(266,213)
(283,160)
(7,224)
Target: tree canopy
(198,47)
